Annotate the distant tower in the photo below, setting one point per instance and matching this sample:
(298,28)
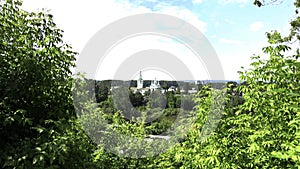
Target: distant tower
(140,81)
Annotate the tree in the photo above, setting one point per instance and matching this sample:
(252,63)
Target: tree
(136,99)
(187,102)
(171,100)
(102,90)
(37,124)
(261,132)
(157,100)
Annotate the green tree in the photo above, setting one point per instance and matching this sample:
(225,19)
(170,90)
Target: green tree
(262,131)
(136,99)
(281,90)
(171,100)
(187,102)
(157,100)
(37,124)
(102,90)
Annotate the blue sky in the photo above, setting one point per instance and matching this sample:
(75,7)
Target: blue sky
(235,28)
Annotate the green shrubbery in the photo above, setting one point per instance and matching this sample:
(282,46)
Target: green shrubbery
(259,127)
(37,119)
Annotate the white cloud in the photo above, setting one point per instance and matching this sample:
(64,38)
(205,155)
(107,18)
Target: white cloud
(197,1)
(229,21)
(133,45)
(184,14)
(233,1)
(152,0)
(256,26)
(229,41)
(213,36)
(81,20)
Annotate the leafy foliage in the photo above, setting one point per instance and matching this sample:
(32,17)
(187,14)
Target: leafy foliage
(259,126)
(37,125)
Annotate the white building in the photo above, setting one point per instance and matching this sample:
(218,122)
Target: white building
(172,89)
(193,91)
(155,85)
(140,82)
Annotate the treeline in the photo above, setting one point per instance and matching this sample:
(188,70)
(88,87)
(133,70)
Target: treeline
(103,89)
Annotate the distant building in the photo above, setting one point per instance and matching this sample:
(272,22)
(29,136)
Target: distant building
(155,85)
(140,82)
(172,89)
(193,91)
(200,82)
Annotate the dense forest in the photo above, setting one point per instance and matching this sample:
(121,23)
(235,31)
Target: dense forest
(48,118)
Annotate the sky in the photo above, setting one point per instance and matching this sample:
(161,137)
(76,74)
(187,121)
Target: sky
(235,29)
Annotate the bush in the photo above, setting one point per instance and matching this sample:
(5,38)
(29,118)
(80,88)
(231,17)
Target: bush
(37,119)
